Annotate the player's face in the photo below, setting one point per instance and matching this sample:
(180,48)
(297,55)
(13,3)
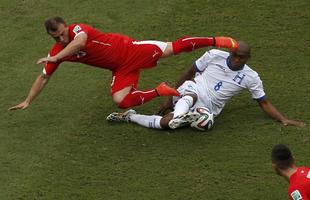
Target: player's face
(238,59)
(61,35)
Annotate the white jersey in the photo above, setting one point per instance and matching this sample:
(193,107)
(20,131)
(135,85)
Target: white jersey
(217,83)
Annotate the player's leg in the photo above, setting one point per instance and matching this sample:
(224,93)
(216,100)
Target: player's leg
(150,51)
(154,121)
(121,94)
(189,95)
(182,115)
(138,97)
(125,95)
(149,121)
(184,104)
(189,43)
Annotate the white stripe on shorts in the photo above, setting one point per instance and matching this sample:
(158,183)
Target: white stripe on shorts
(161,45)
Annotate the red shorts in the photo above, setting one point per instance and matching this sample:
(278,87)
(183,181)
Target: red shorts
(120,81)
(141,56)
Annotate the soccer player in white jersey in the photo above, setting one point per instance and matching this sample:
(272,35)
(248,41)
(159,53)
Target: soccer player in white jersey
(218,76)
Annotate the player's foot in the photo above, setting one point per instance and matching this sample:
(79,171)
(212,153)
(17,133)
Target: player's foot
(164,89)
(183,120)
(226,42)
(121,117)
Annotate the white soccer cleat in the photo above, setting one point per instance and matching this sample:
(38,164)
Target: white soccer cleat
(183,120)
(121,117)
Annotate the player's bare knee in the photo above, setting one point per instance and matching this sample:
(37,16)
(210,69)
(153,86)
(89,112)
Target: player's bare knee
(119,96)
(169,50)
(165,121)
(117,99)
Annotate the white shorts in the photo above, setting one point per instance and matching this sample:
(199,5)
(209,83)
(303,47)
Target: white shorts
(188,87)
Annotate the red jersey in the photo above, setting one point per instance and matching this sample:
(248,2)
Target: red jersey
(106,50)
(299,188)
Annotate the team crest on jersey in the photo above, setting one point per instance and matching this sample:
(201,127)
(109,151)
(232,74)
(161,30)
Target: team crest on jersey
(296,195)
(239,78)
(76,29)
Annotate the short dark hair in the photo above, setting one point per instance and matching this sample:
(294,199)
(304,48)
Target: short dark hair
(51,24)
(282,156)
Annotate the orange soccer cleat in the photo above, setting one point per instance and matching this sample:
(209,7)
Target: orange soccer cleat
(226,42)
(164,89)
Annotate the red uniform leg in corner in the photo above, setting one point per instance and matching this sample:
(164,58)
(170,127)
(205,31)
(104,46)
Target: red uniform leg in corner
(189,43)
(138,97)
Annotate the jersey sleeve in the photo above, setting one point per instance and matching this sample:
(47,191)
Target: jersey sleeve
(256,88)
(202,63)
(77,29)
(298,194)
(50,67)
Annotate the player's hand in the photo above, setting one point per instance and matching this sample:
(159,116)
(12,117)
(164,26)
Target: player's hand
(47,59)
(289,122)
(20,106)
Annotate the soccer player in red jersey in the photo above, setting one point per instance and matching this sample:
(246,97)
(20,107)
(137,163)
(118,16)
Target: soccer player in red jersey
(124,56)
(298,177)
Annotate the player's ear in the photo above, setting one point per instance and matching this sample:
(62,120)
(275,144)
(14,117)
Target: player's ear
(274,167)
(294,159)
(64,23)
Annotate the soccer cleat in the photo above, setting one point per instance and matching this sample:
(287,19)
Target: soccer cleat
(164,89)
(226,42)
(121,117)
(183,120)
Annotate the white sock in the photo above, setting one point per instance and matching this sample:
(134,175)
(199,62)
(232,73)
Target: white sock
(183,105)
(149,121)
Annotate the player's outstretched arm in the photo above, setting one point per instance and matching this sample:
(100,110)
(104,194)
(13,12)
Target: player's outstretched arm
(275,114)
(73,47)
(36,88)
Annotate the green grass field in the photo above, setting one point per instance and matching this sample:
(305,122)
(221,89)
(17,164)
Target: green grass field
(61,147)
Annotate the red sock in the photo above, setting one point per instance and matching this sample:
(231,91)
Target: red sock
(189,43)
(137,97)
